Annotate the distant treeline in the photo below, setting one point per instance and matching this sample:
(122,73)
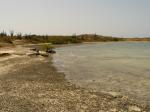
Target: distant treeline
(9,38)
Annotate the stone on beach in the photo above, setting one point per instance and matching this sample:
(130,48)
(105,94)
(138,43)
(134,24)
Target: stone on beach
(134,109)
(4,54)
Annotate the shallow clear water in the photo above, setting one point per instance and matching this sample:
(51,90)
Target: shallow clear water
(119,67)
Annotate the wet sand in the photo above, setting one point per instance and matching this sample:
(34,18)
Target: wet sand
(32,84)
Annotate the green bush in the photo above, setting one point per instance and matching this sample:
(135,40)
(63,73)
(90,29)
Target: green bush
(46,46)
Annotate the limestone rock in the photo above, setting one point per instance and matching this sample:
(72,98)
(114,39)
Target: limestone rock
(134,109)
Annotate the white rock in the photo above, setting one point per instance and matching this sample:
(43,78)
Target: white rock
(113,110)
(134,108)
(114,94)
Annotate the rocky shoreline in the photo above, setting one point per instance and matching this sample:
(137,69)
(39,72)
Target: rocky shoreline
(32,84)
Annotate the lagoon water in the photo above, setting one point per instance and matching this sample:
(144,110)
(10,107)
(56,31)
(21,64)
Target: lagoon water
(122,67)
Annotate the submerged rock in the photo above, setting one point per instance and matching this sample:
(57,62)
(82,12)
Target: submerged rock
(50,51)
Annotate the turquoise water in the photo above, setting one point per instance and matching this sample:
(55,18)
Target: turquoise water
(122,67)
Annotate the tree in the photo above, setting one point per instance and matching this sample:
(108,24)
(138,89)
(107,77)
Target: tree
(11,33)
(3,34)
(74,35)
(19,35)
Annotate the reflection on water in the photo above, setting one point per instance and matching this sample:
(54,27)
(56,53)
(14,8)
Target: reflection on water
(121,67)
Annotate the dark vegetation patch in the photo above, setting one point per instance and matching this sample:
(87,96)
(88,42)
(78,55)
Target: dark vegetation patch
(9,38)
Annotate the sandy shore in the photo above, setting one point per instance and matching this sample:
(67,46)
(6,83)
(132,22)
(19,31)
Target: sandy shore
(32,84)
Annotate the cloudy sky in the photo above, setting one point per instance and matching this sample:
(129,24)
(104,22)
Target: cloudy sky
(66,17)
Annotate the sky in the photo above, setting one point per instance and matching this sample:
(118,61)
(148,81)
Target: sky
(122,18)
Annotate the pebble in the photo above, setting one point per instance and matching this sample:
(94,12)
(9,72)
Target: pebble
(134,108)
